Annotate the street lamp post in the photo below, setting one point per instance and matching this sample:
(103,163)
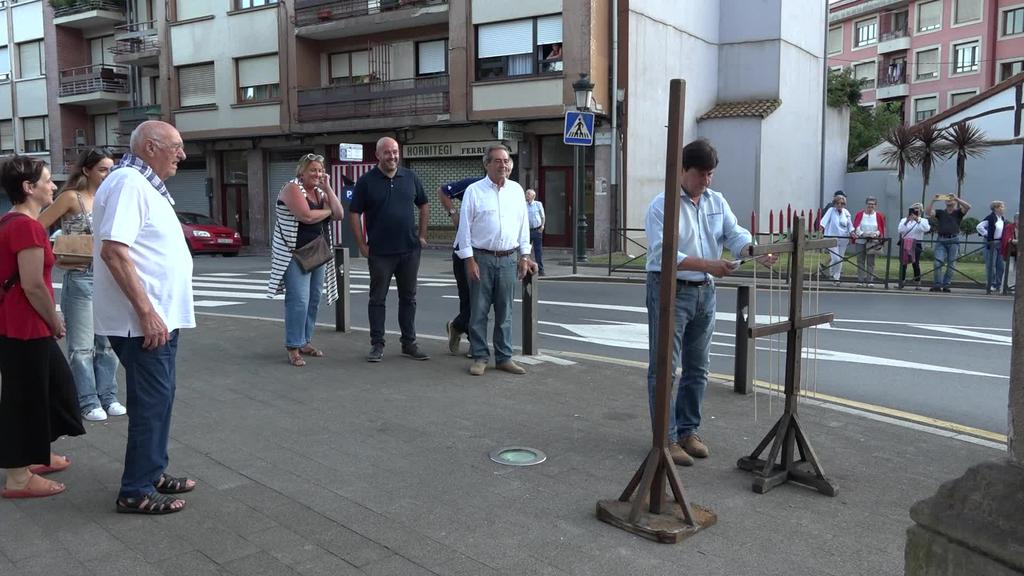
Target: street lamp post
(584,90)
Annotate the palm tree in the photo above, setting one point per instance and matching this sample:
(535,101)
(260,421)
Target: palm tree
(927,149)
(900,153)
(965,140)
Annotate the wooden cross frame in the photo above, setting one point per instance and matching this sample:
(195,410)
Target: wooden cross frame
(646,513)
(787,434)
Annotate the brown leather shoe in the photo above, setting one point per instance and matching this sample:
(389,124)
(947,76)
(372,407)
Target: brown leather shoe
(680,457)
(511,367)
(694,447)
(477,369)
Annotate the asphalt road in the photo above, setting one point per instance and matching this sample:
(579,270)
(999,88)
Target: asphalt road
(939,356)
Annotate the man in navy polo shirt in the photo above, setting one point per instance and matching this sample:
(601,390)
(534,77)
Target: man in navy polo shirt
(460,324)
(387,197)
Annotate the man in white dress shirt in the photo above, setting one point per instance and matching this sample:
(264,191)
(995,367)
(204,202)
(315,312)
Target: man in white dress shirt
(494,242)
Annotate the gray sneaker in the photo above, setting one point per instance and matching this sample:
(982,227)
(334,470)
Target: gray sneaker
(454,338)
(376,353)
(413,351)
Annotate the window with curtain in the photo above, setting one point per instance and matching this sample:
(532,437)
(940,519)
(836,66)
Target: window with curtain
(1013,22)
(835,40)
(6,136)
(5,63)
(196,85)
(929,15)
(431,58)
(36,133)
(350,68)
(866,72)
(258,79)
(925,108)
(519,47)
(927,65)
(966,57)
(31,59)
(966,11)
(866,32)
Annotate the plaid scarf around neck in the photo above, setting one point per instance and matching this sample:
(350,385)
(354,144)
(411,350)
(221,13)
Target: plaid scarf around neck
(130,160)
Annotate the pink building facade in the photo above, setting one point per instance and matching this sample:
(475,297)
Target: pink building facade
(927,55)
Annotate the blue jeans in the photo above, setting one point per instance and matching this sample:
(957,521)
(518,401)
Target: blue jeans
(92,361)
(537,246)
(993,264)
(946,250)
(694,325)
(496,288)
(149,382)
(302,292)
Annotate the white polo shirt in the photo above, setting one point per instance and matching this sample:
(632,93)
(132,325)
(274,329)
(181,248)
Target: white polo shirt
(130,211)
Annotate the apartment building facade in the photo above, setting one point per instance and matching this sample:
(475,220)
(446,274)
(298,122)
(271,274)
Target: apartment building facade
(926,55)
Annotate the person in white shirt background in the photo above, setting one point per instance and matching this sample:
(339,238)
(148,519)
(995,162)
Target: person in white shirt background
(991,230)
(494,242)
(837,223)
(535,211)
(911,230)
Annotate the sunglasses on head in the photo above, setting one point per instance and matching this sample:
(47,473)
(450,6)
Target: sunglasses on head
(313,157)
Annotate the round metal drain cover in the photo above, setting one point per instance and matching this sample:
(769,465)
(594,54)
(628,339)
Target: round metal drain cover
(518,456)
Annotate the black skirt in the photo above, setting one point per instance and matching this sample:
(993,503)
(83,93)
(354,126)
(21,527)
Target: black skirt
(38,401)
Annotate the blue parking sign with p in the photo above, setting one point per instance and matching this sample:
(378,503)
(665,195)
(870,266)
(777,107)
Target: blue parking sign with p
(579,128)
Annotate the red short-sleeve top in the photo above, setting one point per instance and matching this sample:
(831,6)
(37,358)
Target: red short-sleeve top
(18,319)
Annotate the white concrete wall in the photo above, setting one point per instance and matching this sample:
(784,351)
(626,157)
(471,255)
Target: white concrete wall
(837,137)
(665,43)
(500,95)
(749,71)
(28,21)
(750,20)
(739,170)
(490,11)
(807,31)
(222,40)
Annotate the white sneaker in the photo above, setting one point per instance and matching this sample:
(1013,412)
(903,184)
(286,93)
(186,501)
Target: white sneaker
(116,409)
(95,415)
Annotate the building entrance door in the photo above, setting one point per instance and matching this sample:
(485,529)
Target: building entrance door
(556,195)
(234,201)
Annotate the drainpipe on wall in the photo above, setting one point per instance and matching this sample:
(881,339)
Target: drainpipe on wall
(618,208)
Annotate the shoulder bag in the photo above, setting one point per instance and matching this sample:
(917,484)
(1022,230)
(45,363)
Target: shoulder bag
(74,249)
(315,253)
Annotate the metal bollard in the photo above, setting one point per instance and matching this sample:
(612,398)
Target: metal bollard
(342,313)
(530,309)
(743,370)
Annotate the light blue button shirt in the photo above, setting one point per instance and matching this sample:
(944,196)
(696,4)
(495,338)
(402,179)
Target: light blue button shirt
(704,229)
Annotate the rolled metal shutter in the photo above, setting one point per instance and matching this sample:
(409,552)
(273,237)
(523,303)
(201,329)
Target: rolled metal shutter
(188,188)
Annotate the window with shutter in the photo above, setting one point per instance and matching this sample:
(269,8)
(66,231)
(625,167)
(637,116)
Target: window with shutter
(6,136)
(866,72)
(196,85)
(1013,22)
(927,65)
(966,57)
(31,59)
(958,97)
(526,47)
(866,32)
(5,63)
(925,108)
(966,11)
(431,57)
(835,40)
(259,78)
(929,15)
(350,68)
(36,134)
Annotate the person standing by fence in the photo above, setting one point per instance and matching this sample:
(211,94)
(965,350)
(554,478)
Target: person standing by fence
(837,223)
(912,230)
(869,230)
(991,229)
(948,244)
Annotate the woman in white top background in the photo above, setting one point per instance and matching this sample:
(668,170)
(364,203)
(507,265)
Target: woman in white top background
(912,230)
(837,223)
(991,230)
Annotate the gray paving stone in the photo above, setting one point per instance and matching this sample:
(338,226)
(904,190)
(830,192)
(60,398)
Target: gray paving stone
(327,564)
(287,546)
(258,564)
(190,564)
(395,566)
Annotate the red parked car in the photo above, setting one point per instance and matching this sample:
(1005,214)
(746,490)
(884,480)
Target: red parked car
(205,236)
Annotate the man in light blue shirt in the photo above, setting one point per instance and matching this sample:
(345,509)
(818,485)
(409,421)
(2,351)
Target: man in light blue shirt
(706,224)
(535,212)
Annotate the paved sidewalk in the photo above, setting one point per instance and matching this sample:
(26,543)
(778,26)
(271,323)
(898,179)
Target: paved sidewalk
(345,467)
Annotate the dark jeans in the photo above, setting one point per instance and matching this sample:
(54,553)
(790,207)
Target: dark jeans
(149,383)
(916,264)
(461,322)
(404,268)
(537,244)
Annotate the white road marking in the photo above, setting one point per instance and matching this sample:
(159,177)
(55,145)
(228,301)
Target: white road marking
(213,303)
(993,337)
(226,274)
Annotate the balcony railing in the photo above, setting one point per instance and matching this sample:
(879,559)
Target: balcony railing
(71,155)
(94,78)
(894,34)
(135,39)
(309,12)
(79,6)
(408,97)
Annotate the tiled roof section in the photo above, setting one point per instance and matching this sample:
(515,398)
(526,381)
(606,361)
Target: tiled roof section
(746,108)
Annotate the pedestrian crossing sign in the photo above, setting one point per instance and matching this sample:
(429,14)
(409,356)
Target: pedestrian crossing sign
(579,128)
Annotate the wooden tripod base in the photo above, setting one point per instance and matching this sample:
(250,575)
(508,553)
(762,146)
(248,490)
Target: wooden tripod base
(784,436)
(669,527)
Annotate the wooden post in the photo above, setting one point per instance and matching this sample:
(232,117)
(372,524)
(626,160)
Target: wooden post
(342,310)
(530,300)
(641,508)
(743,368)
(1015,436)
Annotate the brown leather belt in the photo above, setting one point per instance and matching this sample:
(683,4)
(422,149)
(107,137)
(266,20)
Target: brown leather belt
(498,253)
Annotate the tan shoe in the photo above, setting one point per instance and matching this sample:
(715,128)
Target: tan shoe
(680,457)
(511,367)
(694,447)
(478,367)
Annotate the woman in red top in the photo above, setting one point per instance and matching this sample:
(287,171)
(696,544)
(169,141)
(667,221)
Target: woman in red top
(38,401)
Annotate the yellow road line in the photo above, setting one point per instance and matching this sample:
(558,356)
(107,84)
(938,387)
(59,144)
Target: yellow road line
(864,406)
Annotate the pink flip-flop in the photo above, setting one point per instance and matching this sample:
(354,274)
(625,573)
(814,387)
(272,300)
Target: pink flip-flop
(51,467)
(37,487)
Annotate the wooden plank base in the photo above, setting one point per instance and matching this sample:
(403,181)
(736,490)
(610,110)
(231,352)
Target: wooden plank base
(800,473)
(669,527)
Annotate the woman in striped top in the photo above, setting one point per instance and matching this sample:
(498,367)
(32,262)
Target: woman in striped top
(304,207)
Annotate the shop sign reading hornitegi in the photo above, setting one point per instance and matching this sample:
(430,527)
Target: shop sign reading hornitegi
(451,149)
